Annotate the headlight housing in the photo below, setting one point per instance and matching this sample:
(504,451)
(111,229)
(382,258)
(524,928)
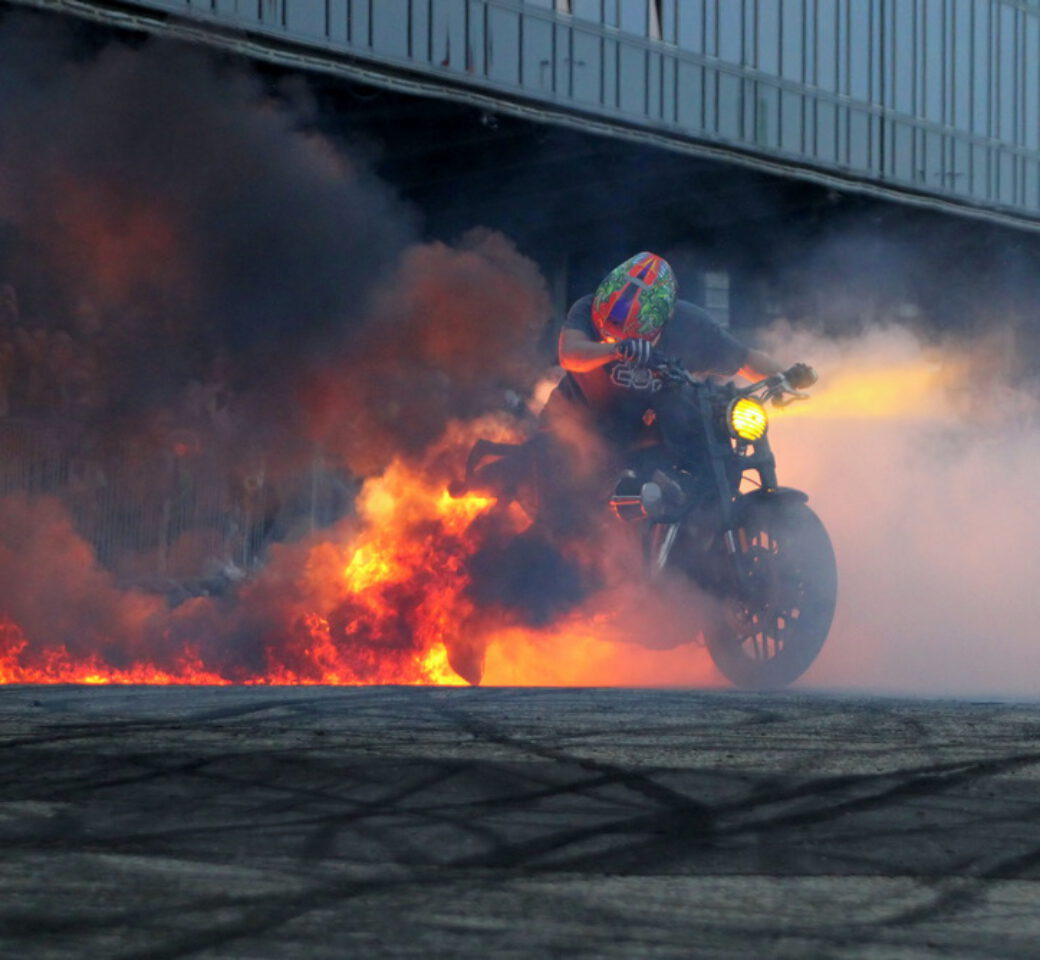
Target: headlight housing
(747,419)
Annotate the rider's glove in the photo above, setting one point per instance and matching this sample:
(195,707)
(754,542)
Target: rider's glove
(800,376)
(637,352)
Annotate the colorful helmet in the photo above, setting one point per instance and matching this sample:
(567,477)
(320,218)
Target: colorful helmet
(635,299)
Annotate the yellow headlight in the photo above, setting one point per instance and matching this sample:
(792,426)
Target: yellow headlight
(748,419)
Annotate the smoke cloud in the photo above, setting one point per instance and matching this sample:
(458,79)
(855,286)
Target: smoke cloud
(195,283)
(921,458)
(445,339)
(212,317)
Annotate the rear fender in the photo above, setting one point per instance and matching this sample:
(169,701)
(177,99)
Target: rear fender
(482,452)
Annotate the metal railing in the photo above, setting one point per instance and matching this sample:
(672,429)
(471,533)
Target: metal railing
(159,518)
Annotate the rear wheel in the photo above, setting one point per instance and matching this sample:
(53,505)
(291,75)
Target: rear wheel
(768,636)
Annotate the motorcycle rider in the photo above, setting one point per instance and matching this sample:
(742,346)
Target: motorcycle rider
(608,343)
(605,409)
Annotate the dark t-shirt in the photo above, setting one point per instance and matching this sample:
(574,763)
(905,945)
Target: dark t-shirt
(617,394)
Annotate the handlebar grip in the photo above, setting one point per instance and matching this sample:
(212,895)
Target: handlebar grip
(800,376)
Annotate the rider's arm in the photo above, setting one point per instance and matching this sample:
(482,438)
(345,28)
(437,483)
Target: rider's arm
(579,353)
(759,365)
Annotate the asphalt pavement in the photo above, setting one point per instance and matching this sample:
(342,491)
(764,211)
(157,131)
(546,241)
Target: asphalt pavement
(463,823)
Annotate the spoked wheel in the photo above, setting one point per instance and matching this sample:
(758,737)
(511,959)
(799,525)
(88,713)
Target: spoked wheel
(769,636)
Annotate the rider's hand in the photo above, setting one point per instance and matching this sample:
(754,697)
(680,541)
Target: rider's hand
(638,352)
(800,376)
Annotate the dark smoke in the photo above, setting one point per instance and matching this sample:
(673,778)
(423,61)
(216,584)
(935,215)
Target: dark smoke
(179,227)
(208,309)
(456,327)
(232,222)
(528,579)
(184,245)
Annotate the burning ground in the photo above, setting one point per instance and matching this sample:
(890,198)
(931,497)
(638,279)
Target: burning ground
(235,389)
(242,388)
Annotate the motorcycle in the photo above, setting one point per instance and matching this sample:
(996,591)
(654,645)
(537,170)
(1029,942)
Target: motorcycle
(762,554)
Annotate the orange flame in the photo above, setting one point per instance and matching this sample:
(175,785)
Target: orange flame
(913,389)
(385,600)
(58,665)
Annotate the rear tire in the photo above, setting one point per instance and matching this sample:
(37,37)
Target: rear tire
(770,636)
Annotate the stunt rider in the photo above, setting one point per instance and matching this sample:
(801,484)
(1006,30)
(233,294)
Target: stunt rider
(608,346)
(608,343)
(606,405)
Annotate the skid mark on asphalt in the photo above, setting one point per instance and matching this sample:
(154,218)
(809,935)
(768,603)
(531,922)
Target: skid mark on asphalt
(422,790)
(690,825)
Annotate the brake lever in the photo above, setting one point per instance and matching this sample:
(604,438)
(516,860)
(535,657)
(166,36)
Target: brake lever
(784,394)
(793,397)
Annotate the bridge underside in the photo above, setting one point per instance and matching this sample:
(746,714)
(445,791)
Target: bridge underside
(577,201)
(853,135)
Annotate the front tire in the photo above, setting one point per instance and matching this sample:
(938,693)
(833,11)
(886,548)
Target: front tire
(768,636)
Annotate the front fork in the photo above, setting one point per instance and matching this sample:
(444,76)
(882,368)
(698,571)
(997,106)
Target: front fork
(655,555)
(721,455)
(659,539)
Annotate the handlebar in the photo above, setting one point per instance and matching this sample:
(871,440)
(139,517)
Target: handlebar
(776,387)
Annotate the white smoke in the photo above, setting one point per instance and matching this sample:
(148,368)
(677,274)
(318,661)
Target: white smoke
(922,461)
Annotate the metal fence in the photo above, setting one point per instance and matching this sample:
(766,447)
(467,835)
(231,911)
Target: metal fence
(156,518)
